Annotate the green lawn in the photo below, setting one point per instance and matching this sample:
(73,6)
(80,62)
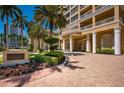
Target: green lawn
(1,59)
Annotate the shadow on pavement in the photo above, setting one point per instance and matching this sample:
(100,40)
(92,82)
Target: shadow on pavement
(56,69)
(73,67)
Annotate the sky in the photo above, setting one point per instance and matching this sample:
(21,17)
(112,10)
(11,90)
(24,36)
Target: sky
(27,11)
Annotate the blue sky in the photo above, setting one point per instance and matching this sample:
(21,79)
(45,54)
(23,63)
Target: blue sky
(27,11)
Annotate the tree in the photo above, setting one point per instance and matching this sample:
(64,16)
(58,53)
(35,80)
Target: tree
(6,12)
(51,16)
(21,22)
(36,31)
(25,41)
(51,41)
(1,39)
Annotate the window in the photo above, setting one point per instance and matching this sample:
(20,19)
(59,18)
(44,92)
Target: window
(75,9)
(67,15)
(74,18)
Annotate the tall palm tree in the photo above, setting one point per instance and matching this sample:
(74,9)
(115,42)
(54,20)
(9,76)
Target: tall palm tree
(51,16)
(36,31)
(1,38)
(21,22)
(6,12)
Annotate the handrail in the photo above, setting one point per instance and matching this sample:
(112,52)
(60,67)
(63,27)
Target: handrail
(105,21)
(99,7)
(86,27)
(70,30)
(85,14)
(90,13)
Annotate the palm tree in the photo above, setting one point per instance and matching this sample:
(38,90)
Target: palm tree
(6,12)
(51,16)
(22,23)
(36,31)
(1,38)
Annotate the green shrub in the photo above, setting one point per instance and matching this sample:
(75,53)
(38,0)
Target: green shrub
(30,56)
(46,59)
(1,59)
(51,40)
(58,54)
(53,47)
(55,53)
(105,51)
(51,58)
(40,50)
(30,48)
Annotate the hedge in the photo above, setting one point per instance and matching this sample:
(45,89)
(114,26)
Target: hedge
(105,51)
(48,59)
(1,59)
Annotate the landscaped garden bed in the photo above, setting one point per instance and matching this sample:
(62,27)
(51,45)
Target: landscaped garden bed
(105,51)
(37,62)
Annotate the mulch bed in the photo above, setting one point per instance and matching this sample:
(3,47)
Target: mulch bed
(20,69)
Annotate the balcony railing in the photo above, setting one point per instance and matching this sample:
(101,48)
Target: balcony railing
(99,7)
(82,6)
(86,27)
(110,19)
(99,10)
(68,31)
(86,14)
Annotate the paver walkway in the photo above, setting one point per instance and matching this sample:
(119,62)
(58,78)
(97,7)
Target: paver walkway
(86,70)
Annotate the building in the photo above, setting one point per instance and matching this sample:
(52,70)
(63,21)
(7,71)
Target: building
(93,26)
(14,35)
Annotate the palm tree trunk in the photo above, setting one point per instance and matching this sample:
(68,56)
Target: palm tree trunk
(38,43)
(7,43)
(51,28)
(21,37)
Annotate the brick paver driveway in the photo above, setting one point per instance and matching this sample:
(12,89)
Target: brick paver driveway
(89,70)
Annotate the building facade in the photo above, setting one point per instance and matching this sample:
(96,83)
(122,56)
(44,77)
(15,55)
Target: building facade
(93,26)
(14,36)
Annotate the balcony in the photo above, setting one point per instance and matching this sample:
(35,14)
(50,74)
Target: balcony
(102,8)
(86,27)
(71,31)
(82,6)
(86,14)
(107,20)
(99,7)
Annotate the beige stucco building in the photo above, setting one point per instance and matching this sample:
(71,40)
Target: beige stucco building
(93,26)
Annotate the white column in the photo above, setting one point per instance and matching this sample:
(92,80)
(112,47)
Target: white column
(63,47)
(88,49)
(117,41)
(70,40)
(29,40)
(94,42)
